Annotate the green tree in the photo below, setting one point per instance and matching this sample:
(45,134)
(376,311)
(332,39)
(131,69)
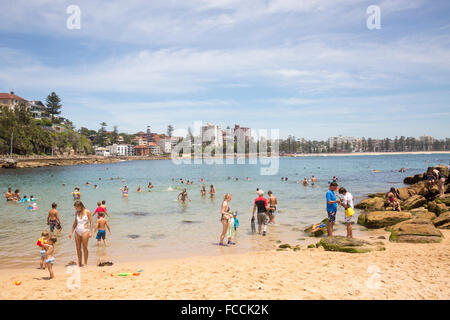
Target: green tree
(53,104)
(170,130)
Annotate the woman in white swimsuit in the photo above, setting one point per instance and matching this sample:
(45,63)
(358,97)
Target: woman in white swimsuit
(82,233)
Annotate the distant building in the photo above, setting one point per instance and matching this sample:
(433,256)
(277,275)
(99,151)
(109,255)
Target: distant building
(340,142)
(242,133)
(101,151)
(10,100)
(212,134)
(38,110)
(120,150)
(154,149)
(141,150)
(165,145)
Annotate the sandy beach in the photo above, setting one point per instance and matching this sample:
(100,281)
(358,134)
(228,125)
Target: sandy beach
(403,271)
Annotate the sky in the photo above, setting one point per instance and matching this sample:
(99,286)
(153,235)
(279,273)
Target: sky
(310,68)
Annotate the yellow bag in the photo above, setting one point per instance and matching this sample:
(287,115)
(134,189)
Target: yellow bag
(349,212)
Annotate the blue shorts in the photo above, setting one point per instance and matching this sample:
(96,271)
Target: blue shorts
(43,253)
(50,260)
(331,216)
(101,234)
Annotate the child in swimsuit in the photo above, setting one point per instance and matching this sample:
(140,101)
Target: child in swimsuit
(76,194)
(100,226)
(49,259)
(41,241)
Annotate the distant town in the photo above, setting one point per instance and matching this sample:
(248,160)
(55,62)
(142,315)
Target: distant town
(61,137)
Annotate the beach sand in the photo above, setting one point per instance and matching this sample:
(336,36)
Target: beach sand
(406,271)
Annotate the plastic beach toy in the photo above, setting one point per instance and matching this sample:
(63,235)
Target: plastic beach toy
(124,274)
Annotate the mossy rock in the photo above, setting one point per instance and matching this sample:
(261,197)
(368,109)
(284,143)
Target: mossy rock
(415,231)
(373,204)
(311,246)
(443,219)
(413,202)
(284,246)
(344,244)
(382,219)
(377,195)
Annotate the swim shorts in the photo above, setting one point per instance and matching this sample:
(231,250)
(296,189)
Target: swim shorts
(101,234)
(50,260)
(331,216)
(54,224)
(43,253)
(272,212)
(348,219)
(262,218)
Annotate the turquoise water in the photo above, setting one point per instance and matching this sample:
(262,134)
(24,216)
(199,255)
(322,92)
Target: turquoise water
(167,229)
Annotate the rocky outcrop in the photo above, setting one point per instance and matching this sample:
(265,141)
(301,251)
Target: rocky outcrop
(445,200)
(415,231)
(443,221)
(371,204)
(422,176)
(377,195)
(437,208)
(422,213)
(8,163)
(413,202)
(382,219)
(343,244)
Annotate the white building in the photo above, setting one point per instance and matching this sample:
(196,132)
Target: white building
(212,134)
(165,145)
(154,149)
(101,151)
(341,140)
(120,150)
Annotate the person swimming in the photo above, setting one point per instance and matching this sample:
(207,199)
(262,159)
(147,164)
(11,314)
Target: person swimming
(124,191)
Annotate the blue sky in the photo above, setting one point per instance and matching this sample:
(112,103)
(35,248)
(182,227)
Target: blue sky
(309,68)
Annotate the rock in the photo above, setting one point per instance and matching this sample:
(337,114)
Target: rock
(415,231)
(445,199)
(343,244)
(318,232)
(377,195)
(381,237)
(311,246)
(371,204)
(284,246)
(381,219)
(403,193)
(414,202)
(445,226)
(422,213)
(297,248)
(443,219)
(437,208)
(414,179)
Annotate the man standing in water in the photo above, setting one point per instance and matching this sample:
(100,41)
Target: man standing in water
(261,205)
(331,207)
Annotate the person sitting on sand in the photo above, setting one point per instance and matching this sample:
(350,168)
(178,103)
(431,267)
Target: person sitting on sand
(347,203)
(226,216)
(9,195)
(392,200)
(53,219)
(261,206)
(183,196)
(49,259)
(331,207)
(100,226)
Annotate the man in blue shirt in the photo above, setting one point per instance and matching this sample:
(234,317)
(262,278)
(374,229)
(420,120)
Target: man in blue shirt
(331,207)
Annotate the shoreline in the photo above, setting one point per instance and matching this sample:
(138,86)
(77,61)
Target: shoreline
(58,161)
(404,271)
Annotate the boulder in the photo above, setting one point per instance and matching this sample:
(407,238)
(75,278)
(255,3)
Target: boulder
(414,202)
(317,232)
(445,199)
(422,213)
(437,208)
(371,204)
(377,195)
(443,219)
(344,244)
(382,219)
(415,231)
(403,193)
(414,179)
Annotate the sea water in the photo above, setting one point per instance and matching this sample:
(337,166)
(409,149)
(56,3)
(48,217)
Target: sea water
(153,225)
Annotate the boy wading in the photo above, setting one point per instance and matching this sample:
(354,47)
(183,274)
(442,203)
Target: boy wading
(331,207)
